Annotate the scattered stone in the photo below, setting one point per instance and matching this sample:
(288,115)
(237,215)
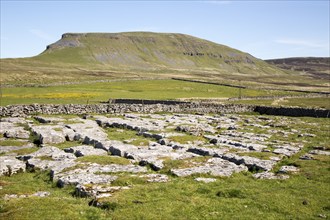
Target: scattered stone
(306,157)
(156,178)
(286,150)
(322,216)
(306,135)
(269,175)
(319,152)
(251,162)
(288,169)
(16,196)
(205,180)
(53,165)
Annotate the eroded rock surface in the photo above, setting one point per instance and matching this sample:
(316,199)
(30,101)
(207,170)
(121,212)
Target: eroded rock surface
(184,144)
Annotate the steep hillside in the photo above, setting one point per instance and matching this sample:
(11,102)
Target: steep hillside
(112,56)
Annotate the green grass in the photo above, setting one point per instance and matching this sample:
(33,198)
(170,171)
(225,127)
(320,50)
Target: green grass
(12,142)
(139,89)
(185,139)
(104,160)
(59,205)
(127,135)
(25,151)
(67,144)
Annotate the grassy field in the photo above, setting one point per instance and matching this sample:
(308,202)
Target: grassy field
(304,195)
(318,102)
(137,89)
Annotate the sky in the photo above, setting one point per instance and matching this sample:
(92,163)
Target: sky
(265,29)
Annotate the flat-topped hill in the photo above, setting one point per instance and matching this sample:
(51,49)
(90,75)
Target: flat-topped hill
(151,51)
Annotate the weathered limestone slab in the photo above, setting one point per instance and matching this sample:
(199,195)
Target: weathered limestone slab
(286,150)
(49,134)
(204,151)
(84,178)
(214,166)
(17,132)
(10,165)
(131,123)
(88,132)
(120,149)
(97,190)
(13,128)
(251,162)
(85,150)
(55,166)
(53,153)
(115,168)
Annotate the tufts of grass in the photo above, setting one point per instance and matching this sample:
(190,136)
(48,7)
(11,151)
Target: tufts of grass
(184,139)
(25,151)
(128,136)
(67,144)
(129,180)
(12,142)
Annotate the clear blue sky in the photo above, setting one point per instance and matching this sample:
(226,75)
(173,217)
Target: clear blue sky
(265,29)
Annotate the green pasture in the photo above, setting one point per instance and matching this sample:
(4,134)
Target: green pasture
(135,89)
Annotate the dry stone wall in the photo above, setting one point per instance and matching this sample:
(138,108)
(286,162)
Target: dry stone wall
(122,107)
